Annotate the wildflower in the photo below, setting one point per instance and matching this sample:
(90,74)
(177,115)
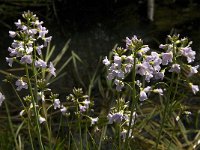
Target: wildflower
(2,98)
(21,84)
(195,88)
(82,108)
(63,109)
(13,52)
(193,70)
(106,61)
(41,119)
(166,58)
(47,40)
(175,68)
(39,49)
(143,96)
(117,61)
(129,59)
(10,61)
(86,102)
(143,93)
(26,59)
(18,23)
(159,75)
(159,91)
(52,69)
(56,103)
(94,120)
(119,84)
(188,53)
(116,117)
(29,50)
(12,34)
(40,63)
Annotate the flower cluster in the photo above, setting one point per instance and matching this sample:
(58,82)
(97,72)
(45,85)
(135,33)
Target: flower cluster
(121,116)
(150,66)
(26,49)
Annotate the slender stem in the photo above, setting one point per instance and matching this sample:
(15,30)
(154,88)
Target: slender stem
(79,126)
(102,136)
(11,126)
(168,97)
(30,136)
(134,101)
(34,108)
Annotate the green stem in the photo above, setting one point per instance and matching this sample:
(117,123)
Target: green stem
(34,108)
(102,136)
(134,101)
(79,126)
(11,126)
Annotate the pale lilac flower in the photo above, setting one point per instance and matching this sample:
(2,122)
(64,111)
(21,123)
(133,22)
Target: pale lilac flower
(32,31)
(117,60)
(10,61)
(52,69)
(195,88)
(39,49)
(82,108)
(117,117)
(120,74)
(188,53)
(159,91)
(18,23)
(106,61)
(12,34)
(21,84)
(13,52)
(145,49)
(128,42)
(162,46)
(2,98)
(110,76)
(86,102)
(40,63)
(147,89)
(56,103)
(119,84)
(159,75)
(37,23)
(128,68)
(193,70)
(24,28)
(47,40)
(94,120)
(43,31)
(41,119)
(129,59)
(143,96)
(166,58)
(63,109)
(29,50)
(175,68)
(26,59)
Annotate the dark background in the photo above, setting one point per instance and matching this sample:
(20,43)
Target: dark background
(95,26)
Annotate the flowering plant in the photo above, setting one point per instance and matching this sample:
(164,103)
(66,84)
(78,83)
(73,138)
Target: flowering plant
(151,92)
